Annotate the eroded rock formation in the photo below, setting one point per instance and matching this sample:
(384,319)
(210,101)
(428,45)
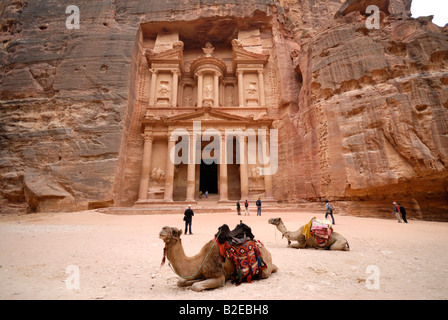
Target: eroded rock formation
(361,113)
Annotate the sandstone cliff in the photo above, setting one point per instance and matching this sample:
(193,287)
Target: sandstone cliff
(372,120)
(362,114)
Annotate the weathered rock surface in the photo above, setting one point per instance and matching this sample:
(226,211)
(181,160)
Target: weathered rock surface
(44,194)
(372,118)
(362,114)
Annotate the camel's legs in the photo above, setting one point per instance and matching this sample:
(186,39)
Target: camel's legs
(209,284)
(266,273)
(298,245)
(340,245)
(186,283)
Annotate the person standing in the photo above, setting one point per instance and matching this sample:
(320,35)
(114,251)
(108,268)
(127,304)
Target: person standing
(188,217)
(246,206)
(403,212)
(396,212)
(258,203)
(329,211)
(238,207)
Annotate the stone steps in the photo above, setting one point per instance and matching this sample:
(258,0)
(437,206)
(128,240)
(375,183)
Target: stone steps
(207,207)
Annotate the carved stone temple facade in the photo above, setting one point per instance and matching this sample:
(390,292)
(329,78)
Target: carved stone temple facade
(207,104)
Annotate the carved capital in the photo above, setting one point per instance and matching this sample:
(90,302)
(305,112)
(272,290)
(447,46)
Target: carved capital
(153,71)
(147,136)
(176,71)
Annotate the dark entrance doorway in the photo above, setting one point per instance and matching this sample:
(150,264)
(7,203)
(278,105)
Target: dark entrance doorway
(208,177)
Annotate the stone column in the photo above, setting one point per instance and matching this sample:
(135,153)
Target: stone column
(267,167)
(191,171)
(240,88)
(169,170)
(261,88)
(223,181)
(243,168)
(146,166)
(175,87)
(200,89)
(216,90)
(152,90)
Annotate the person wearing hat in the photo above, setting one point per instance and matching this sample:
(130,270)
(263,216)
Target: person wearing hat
(188,217)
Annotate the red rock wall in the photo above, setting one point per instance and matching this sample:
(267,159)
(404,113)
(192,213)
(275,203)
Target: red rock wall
(372,118)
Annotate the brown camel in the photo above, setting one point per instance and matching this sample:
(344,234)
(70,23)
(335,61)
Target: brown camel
(336,242)
(205,270)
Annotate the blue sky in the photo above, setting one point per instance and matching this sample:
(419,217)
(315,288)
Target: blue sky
(438,8)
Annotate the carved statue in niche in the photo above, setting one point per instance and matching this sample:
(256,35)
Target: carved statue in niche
(255,173)
(188,101)
(252,88)
(208,50)
(163,93)
(208,92)
(229,100)
(158,175)
(252,94)
(164,89)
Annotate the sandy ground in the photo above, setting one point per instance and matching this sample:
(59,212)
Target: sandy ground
(118,257)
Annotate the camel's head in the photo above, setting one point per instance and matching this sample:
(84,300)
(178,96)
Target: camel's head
(223,233)
(275,221)
(167,234)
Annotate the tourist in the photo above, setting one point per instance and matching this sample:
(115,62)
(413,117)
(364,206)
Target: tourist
(329,211)
(258,203)
(246,205)
(238,207)
(206,194)
(403,212)
(396,212)
(188,217)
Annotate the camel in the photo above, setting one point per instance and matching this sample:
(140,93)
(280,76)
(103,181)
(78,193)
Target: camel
(336,242)
(205,270)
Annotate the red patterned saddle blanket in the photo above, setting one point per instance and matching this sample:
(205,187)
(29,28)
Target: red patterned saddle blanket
(246,259)
(321,230)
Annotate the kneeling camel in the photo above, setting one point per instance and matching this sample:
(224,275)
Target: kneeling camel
(205,270)
(336,242)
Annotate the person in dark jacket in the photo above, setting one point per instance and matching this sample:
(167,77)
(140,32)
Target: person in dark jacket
(188,217)
(258,203)
(403,213)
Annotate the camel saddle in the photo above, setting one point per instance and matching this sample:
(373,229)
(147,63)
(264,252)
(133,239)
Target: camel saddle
(240,247)
(321,230)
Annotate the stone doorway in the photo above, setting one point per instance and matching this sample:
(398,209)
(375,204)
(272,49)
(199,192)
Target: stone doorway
(208,178)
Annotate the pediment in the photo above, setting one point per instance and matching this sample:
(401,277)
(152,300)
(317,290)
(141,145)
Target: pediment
(174,55)
(241,55)
(208,114)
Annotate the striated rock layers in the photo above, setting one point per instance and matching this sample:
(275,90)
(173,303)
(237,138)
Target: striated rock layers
(372,117)
(362,113)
